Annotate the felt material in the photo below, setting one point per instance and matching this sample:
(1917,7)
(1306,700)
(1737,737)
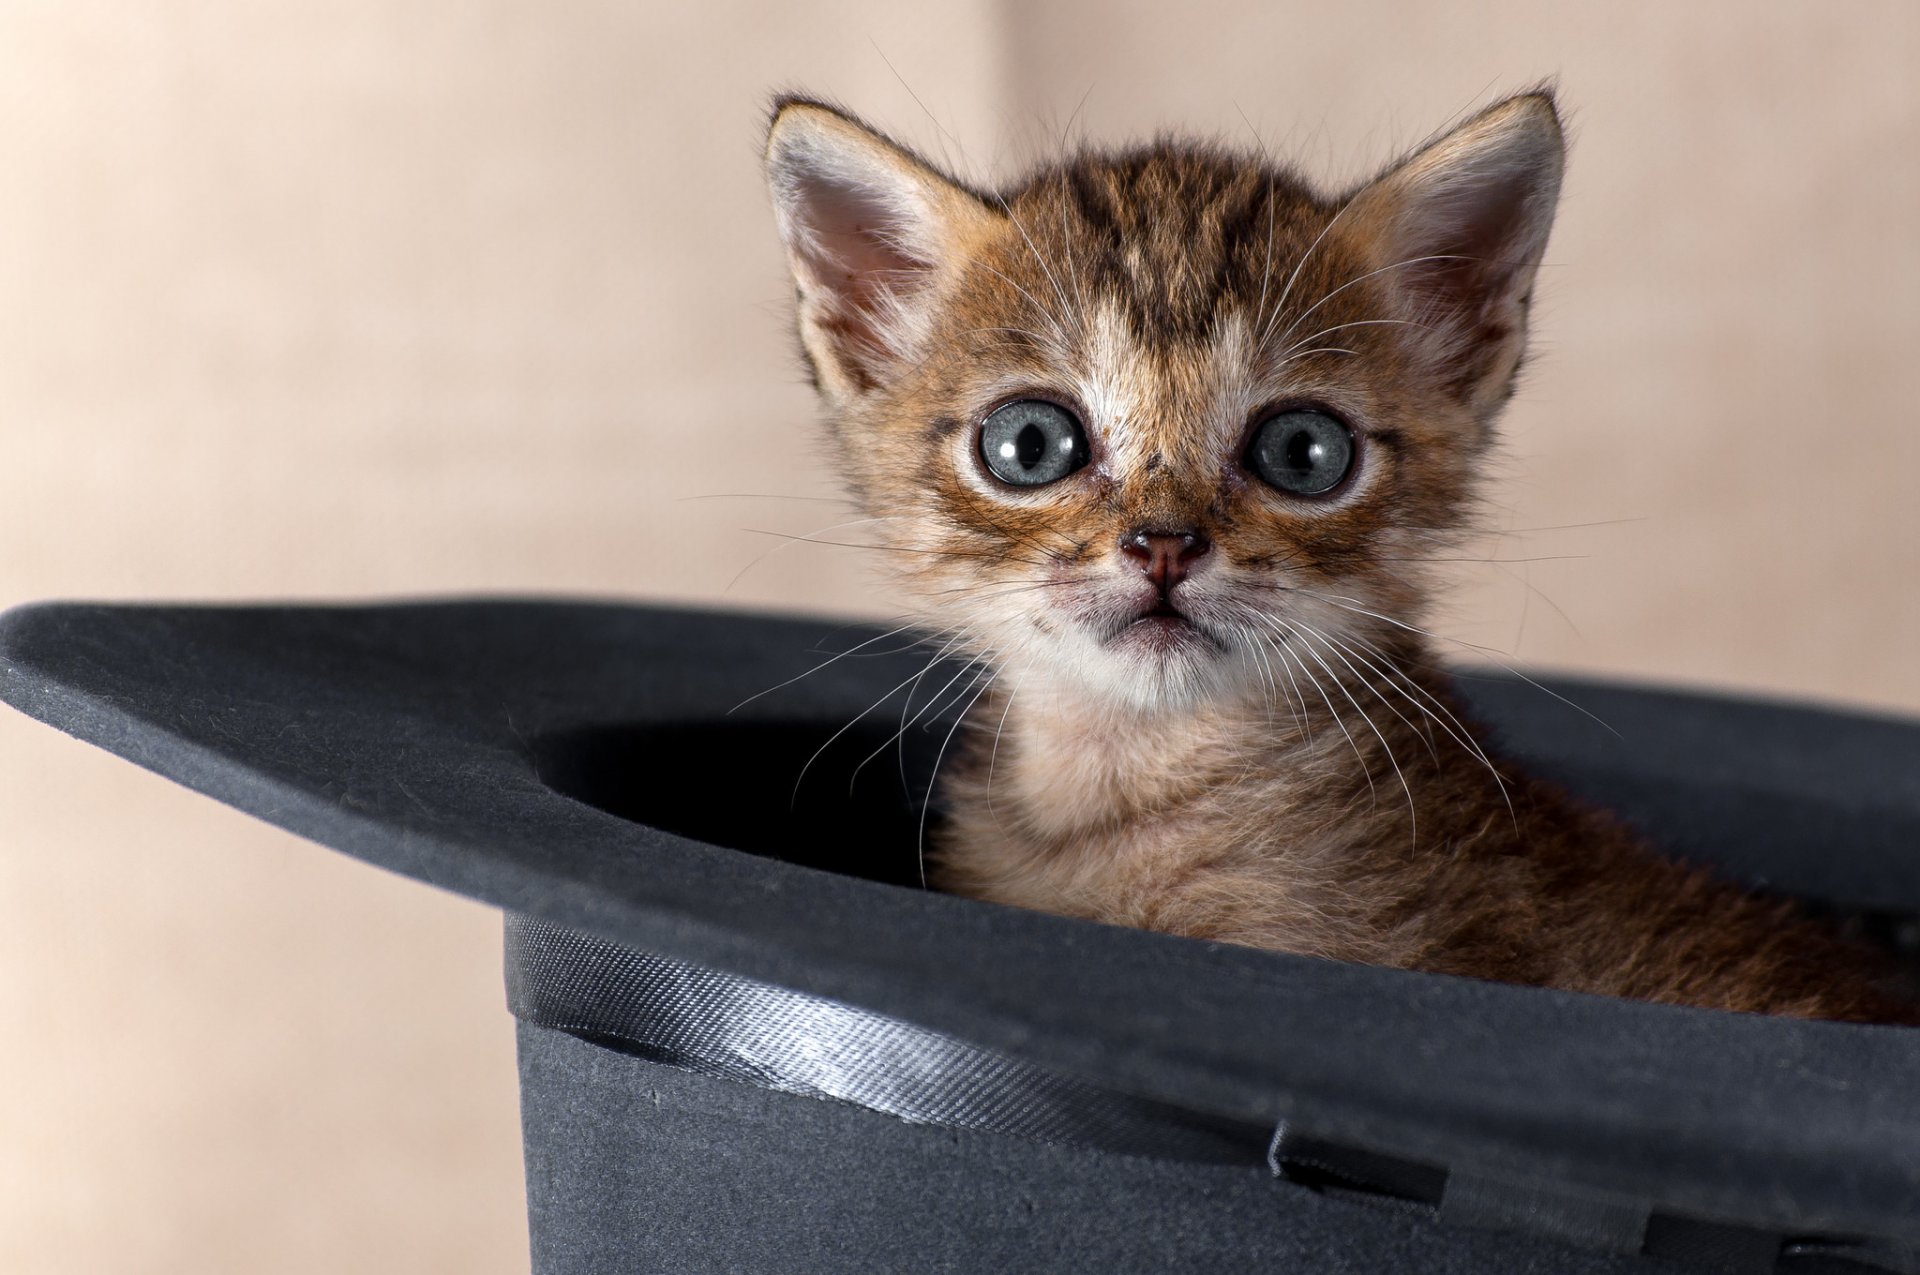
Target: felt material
(504,750)
(636,1166)
(771,1039)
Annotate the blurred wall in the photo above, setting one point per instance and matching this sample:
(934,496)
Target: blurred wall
(374,297)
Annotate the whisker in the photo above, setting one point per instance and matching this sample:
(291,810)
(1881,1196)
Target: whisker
(1059,331)
(1324,349)
(927,806)
(1366,771)
(1306,715)
(1342,654)
(1266,265)
(992,592)
(915,96)
(899,736)
(1497,656)
(1058,291)
(811,537)
(1492,562)
(1534,590)
(917,549)
(1066,235)
(1413,811)
(982,666)
(1023,538)
(1280,306)
(861,716)
(1355,281)
(1570,526)
(879,637)
(1258,649)
(1357,323)
(1457,730)
(993,757)
(760,495)
(1302,715)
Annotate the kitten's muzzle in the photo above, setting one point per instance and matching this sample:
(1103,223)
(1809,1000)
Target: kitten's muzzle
(1165,557)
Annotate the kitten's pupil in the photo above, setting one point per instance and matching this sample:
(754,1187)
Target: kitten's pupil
(1029,447)
(1031,442)
(1302,453)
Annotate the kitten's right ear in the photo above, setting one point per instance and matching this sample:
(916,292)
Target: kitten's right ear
(872,231)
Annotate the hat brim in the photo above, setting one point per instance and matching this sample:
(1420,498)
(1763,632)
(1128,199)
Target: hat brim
(514,751)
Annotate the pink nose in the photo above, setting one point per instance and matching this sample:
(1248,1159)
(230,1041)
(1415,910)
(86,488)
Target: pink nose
(1164,555)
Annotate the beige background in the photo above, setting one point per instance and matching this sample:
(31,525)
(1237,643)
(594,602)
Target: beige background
(366,297)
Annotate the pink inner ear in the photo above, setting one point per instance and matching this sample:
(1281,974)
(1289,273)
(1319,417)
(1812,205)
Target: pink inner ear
(1473,235)
(853,246)
(1484,234)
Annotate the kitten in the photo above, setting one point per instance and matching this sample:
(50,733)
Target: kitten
(1165,439)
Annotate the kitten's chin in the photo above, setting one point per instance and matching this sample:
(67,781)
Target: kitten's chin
(1164,661)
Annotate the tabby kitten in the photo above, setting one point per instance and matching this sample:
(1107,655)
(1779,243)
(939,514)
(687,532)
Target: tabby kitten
(1165,438)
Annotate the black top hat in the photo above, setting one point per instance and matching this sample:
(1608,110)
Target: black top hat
(751,1041)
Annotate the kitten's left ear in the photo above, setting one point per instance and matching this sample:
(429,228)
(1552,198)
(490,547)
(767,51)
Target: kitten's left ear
(872,231)
(1458,230)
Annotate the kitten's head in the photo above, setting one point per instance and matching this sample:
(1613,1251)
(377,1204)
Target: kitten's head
(1149,419)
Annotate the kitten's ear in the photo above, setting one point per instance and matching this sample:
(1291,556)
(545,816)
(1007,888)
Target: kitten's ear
(872,231)
(1458,229)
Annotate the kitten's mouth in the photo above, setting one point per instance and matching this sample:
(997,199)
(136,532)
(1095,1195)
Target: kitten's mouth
(1162,629)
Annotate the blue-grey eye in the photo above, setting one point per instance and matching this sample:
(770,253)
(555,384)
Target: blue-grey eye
(1301,453)
(1032,442)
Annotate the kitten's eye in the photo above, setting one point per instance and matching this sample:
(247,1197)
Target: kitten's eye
(1032,442)
(1301,453)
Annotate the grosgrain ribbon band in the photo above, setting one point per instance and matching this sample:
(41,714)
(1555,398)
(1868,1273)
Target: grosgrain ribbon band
(723,1025)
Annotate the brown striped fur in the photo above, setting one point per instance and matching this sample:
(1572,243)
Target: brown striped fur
(1284,767)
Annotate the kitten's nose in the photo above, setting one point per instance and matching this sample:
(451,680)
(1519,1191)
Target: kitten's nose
(1163,555)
